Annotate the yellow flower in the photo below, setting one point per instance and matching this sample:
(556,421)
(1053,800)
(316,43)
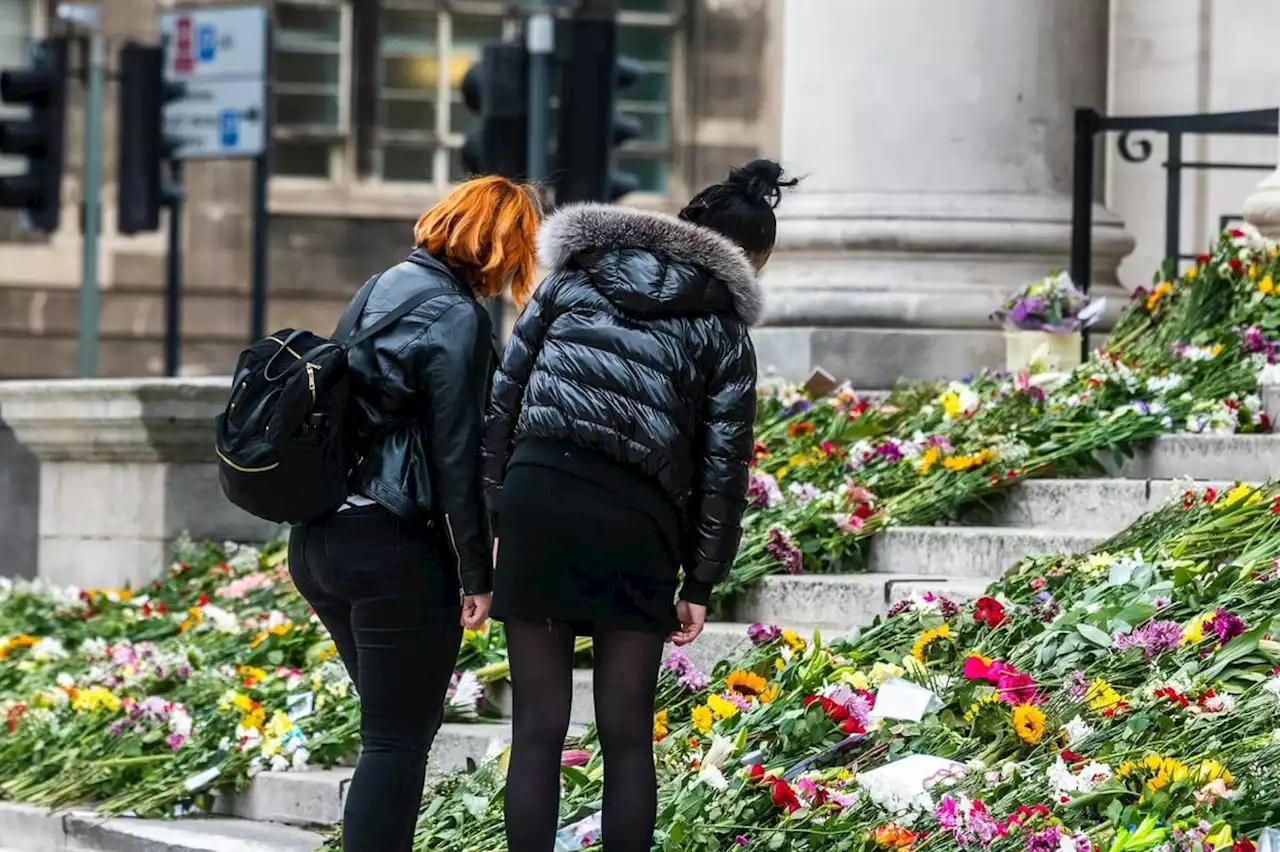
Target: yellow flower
(1194,631)
(280,725)
(782,471)
(1267,285)
(951,405)
(1162,289)
(857,680)
(195,615)
(722,707)
(746,684)
(880,672)
(702,717)
(22,640)
(1242,492)
(660,729)
(1254,271)
(779,664)
(927,638)
(793,641)
(1101,696)
(252,676)
(928,459)
(94,699)
(1212,770)
(799,460)
(326,652)
(1028,723)
(976,707)
(1193,272)
(771,692)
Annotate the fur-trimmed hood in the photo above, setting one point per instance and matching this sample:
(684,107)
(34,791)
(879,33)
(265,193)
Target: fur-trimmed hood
(599,228)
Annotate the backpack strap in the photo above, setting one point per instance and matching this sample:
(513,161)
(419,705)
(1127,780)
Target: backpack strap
(351,316)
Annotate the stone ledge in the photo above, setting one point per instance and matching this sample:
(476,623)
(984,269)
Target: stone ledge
(115,420)
(967,553)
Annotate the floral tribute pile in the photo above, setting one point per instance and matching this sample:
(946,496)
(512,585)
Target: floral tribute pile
(1188,354)
(151,700)
(1119,701)
(148,699)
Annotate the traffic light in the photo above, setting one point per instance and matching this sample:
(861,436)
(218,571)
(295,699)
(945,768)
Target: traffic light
(42,87)
(591,77)
(143,147)
(495,90)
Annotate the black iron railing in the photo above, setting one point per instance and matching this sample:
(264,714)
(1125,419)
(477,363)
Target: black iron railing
(1089,123)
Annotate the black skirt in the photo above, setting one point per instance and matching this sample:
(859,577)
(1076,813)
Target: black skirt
(582,549)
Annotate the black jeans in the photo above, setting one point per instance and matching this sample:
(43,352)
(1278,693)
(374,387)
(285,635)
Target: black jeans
(389,596)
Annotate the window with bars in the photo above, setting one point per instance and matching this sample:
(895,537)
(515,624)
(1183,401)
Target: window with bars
(371,90)
(15,33)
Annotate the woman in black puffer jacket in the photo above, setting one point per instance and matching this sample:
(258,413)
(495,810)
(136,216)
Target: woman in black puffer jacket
(618,440)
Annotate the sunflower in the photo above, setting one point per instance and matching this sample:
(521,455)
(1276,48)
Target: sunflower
(702,717)
(793,641)
(746,684)
(771,692)
(1028,723)
(927,638)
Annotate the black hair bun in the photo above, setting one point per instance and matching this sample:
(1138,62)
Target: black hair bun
(759,181)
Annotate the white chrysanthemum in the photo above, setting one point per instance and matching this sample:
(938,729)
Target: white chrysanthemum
(467,694)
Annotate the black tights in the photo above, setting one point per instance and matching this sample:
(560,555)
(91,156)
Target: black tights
(626,675)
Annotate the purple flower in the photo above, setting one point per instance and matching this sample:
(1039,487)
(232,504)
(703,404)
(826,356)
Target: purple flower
(1077,685)
(174,741)
(1044,597)
(1227,625)
(116,727)
(1154,638)
(687,675)
(1160,601)
(738,701)
(889,451)
(780,546)
(740,840)
(1044,840)
(763,491)
(760,634)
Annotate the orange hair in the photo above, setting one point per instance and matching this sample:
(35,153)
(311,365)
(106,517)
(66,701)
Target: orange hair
(485,229)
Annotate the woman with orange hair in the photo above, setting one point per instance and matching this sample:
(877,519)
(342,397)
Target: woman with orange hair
(398,571)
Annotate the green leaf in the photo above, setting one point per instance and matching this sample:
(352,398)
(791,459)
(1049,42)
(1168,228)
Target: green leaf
(1237,649)
(1094,635)
(575,776)
(1139,723)
(1114,810)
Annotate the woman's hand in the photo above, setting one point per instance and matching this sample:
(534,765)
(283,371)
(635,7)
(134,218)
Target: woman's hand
(475,610)
(692,617)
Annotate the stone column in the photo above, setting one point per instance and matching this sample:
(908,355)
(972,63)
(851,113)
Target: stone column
(1262,208)
(935,142)
(126,466)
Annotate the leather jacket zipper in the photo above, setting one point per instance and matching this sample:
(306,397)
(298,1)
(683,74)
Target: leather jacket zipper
(457,557)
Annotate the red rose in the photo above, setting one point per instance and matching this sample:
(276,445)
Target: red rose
(989,611)
(755,772)
(783,796)
(1202,259)
(1236,232)
(1244,844)
(1210,495)
(1235,264)
(203,600)
(852,726)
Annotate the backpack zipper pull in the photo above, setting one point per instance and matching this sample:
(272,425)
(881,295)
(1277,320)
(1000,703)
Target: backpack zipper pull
(311,379)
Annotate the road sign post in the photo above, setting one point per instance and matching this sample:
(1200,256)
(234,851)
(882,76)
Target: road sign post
(222,54)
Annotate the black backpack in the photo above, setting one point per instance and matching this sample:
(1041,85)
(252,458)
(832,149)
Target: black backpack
(282,452)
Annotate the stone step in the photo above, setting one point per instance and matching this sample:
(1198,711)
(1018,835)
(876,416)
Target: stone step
(1208,457)
(1092,505)
(34,829)
(965,552)
(840,602)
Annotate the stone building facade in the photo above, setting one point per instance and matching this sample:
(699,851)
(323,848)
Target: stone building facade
(354,164)
(934,136)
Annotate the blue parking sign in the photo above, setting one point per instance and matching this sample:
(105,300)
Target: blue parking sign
(207,42)
(229,128)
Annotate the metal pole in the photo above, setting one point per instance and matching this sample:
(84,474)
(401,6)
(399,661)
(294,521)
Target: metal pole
(258,308)
(540,38)
(1173,202)
(173,273)
(1086,129)
(87,352)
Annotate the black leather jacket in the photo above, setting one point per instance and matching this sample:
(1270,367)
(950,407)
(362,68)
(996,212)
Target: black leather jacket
(636,347)
(418,396)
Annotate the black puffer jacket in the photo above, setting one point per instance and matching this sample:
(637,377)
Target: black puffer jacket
(636,347)
(419,390)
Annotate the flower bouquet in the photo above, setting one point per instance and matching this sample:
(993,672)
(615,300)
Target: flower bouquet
(1043,322)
